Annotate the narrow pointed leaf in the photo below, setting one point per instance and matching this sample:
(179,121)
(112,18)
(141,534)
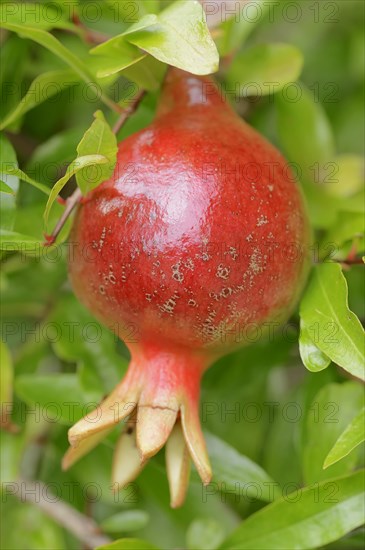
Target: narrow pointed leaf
(47,40)
(5,188)
(310,521)
(350,438)
(8,200)
(10,170)
(6,386)
(42,88)
(329,413)
(36,15)
(13,241)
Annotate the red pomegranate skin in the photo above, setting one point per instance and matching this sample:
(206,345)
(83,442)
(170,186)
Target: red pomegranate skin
(200,234)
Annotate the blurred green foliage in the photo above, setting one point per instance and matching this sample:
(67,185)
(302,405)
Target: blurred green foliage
(270,423)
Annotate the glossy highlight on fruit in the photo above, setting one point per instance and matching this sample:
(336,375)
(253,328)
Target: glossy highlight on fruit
(200,234)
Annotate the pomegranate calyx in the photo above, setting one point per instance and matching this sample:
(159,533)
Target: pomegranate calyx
(160,396)
(178,465)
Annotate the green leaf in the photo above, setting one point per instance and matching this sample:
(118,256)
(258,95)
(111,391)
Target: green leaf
(350,438)
(116,54)
(8,168)
(29,221)
(336,330)
(6,386)
(12,241)
(148,73)
(265,69)
(331,410)
(230,467)
(42,88)
(130,520)
(4,188)
(205,534)
(235,32)
(48,41)
(128,544)
(35,14)
(348,226)
(129,11)
(97,140)
(8,201)
(78,164)
(313,358)
(56,152)
(60,396)
(92,346)
(11,454)
(322,207)
(304,131)
(178,36)
(348,177)
(148,6)
(30,517)
(13,61)
(320,514)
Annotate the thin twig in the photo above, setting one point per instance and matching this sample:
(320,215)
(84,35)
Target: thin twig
(76,196)
(128,111)
(71,202)
(82,527)
(348,261)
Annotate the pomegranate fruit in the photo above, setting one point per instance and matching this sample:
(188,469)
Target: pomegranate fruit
(200,233)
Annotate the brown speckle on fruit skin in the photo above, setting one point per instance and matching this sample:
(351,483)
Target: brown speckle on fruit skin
(262,221)
(102,239)
(223,272)
(226,292)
